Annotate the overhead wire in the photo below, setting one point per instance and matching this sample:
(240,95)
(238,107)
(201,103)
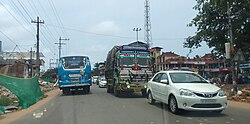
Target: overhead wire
(31,33)
(59,21)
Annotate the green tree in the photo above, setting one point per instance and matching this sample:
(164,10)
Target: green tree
(95,70)
(212,22)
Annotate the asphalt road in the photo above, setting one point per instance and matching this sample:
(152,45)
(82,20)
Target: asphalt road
(99,107)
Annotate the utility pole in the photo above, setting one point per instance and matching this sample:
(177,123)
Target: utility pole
(38,22)
(137,30)
(147,25)
(230,32)
(60,45)
(31,62)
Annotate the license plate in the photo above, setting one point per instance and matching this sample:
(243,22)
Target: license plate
(137,89)
(75,80)
(208,100)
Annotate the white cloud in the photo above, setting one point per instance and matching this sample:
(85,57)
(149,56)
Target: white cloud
(106,27)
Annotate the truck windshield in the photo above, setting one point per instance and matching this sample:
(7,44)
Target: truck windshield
(143,61)
(73,62)
(127,61)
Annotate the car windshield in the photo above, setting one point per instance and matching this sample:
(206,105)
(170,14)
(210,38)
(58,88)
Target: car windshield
(186,78)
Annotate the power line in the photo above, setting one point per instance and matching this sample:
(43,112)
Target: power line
(86,32)
(58,19)
(11,40)
(107,35)
(16,19)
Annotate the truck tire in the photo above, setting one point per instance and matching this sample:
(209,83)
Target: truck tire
(87,89)
(65,91)
(117,92)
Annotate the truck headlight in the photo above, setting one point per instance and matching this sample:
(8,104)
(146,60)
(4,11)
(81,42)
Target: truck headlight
(185,92)
(128,86)
(221,93)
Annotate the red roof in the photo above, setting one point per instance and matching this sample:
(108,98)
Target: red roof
(170,54)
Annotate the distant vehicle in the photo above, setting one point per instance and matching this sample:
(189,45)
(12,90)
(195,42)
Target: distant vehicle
(102,82)
(128,68)
(74,73)
(94,79)
(185,90)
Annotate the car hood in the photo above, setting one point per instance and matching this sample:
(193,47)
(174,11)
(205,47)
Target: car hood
(201,87)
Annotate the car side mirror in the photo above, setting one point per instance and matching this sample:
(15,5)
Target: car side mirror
(164,81)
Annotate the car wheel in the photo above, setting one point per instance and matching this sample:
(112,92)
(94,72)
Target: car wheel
(151,100)
(173,106)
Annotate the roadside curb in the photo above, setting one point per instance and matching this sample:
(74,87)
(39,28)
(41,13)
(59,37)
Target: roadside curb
(7,118)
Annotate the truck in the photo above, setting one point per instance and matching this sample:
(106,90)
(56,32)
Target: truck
(128,69)
(74,74)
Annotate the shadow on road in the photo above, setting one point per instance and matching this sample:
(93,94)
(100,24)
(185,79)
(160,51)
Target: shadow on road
(183,113)
(129,95)
(72,93)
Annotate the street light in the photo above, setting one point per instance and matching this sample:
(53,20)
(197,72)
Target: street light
(137,30)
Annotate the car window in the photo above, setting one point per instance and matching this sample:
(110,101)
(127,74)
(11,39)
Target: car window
(157,78)
(186,78)
(164,77)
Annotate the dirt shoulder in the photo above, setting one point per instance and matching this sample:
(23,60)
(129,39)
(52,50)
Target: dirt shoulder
(7,118)
(239,105)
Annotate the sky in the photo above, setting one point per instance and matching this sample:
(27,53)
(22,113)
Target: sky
(93,27)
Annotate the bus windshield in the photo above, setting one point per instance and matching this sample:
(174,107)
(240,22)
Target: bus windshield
(73,62)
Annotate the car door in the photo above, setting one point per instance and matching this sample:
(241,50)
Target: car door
(155,86)
(164,88)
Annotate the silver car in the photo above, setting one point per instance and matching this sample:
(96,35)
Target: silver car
(185,90)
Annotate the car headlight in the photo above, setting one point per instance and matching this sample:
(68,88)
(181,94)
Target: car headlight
(185,92)
(221,93)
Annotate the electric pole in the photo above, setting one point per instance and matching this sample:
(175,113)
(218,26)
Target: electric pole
(38,22)
(230,32)
(137,30)
(31,62)
(60,46)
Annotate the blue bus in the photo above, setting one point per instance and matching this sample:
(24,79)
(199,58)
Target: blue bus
(74,74)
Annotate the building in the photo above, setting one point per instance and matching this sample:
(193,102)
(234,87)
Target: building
(25,61)
(155,53)
(207,66)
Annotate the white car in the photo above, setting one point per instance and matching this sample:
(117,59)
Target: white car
(102,82)
(185,90)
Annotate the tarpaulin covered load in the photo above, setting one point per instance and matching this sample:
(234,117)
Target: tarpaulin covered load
(27,90)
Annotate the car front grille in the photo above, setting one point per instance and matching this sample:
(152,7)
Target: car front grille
(216,105)
(206,95)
